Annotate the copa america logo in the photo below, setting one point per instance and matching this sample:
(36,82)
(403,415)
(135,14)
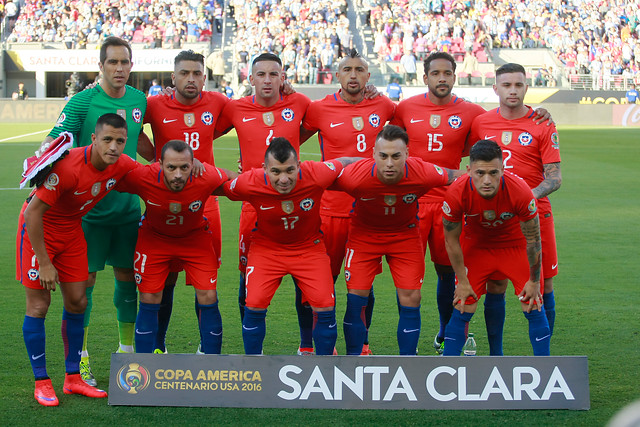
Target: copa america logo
(133,378)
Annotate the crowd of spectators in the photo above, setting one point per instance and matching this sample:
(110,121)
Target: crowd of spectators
(154,23)
(596,37)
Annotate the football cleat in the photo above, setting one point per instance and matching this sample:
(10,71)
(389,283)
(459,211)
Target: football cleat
(438,345)
(158,351)
(305,351)
(199,350)
(74,384)
(87,375)
(45,394)
(366,351)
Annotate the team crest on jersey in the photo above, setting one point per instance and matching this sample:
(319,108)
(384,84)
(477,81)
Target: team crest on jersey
(287,206)
(175,207)
(347,275)
(61,118)
(506,138)
(52,181)
(525,139)
(268,118)
(489,215)
(555,141)
(532,206)
(374,120)
(435,120)
(243,260)
(455,122)
(33,274)
(287,114)
(390,199)
(358,123)
(137,115)
(195,206)
(409,198)
(207,118)
(189,119)
(110,183)
(506,216)
(446,208)
(122,113)
(306,204)
(138,278)
(95,189)
(330,165)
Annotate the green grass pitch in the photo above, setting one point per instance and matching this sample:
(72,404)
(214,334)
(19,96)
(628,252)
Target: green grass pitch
(597,214)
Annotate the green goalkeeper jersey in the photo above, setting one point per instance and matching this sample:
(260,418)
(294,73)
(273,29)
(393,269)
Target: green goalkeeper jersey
(79,117)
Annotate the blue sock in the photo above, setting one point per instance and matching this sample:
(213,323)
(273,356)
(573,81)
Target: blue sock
(72,336)
(368,313)
(539,332)
(408,330)
(305,320)
(242,295)
(164,316)
(454,335)
(146,327)
(550,309)
(210,323)
(494,314)
(444,297)
(325,332)
(353,326)
(254,329)
(35,340)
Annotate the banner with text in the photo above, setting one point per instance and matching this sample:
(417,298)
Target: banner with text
(350,382)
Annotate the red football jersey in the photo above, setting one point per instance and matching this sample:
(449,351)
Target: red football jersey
(526,147)
(167,212)
(346,130)
(194,124)
(437,133)
(388,208)
(495,222)
(290,219)
(256,125)
(74,186)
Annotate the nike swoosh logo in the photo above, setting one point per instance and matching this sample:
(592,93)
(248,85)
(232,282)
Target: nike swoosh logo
(347,323)
(249,329)
(213,280)
(77,193)
(130,300)
(332,326)
(266,208)
(554,266)
(447,338)
(214,334)
(408,331)
(473,214)
(36,357)
(489,137)
(367,199)
(244,119)
(169,121)
(544,337)
(335,124)
(151,203)
(143,333)
(416,121)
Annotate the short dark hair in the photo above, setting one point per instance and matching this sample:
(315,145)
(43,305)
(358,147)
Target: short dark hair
(188,55)
(280,149)
(392,132)
(485,150)
(176,145)
(113,41)
(510,67)
(438,55)
(112,119)
(267,57)
(353,54)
